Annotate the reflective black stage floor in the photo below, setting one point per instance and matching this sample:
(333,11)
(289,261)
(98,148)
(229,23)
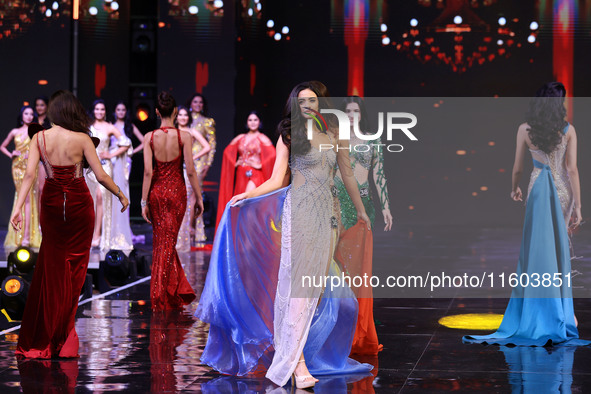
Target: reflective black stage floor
(123,347)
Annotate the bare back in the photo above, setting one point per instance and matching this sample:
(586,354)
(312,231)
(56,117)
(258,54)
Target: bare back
(166,145)
(63,147)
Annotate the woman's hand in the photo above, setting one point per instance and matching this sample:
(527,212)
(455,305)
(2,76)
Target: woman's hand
(198,207)
(17,220)
(364,218)
(237,198)
(146,214)
(124,202)
(516,194)
(387,219)
(576,218)
(16,153)
(105,156)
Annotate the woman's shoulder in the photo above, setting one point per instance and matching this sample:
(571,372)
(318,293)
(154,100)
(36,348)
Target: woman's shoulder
(264,139)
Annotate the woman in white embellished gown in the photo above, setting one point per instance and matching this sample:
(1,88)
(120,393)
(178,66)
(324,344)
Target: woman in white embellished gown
(107,234)
(259,313)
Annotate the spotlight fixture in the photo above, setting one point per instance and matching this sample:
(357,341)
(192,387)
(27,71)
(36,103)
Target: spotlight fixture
(117,267)
(14,296)
(22,260)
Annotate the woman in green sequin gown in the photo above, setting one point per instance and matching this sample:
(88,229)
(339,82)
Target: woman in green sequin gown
(365,159)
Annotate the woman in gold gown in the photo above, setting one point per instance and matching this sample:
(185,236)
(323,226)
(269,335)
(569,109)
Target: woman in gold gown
(30,235)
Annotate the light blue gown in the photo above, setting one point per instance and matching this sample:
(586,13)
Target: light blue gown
(543,315)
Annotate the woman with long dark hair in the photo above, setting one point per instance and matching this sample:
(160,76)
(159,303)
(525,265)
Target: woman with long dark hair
(105,235)
(187,232)
(542,314)
(255,298)
(247,163)
(67,222)
(356,241)
(203,124)
(30,236)
(164,199)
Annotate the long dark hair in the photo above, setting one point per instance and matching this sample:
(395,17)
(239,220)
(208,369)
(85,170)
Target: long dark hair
(364,121)
(19,120)
(292,127)
(204,110)
(176,121)
(127,125)
(545,116)
(65,110)
(255,113)
(94,104)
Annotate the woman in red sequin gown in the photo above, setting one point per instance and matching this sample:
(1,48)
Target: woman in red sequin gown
(164,199)
(67,222)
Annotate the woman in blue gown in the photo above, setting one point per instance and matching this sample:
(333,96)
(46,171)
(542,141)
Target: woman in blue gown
(260,317)
(544,315)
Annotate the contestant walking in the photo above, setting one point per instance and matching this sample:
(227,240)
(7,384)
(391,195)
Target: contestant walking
(164,198)
(67,222)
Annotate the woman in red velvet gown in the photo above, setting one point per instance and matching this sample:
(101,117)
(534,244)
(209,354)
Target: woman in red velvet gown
(164,199)
(67,223)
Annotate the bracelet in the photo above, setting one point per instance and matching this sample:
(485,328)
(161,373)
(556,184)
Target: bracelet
(143,203)
(118,192)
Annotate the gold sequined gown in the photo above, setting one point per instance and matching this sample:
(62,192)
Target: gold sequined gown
(205,126)
(19,165)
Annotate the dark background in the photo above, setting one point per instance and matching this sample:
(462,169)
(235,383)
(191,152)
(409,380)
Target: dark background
(247,69)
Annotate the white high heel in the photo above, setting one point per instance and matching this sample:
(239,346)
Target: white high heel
(303,382)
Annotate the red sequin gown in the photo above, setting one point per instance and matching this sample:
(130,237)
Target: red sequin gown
(167,201)
(67,224)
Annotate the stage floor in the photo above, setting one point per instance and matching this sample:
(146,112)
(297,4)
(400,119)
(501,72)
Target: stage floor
(123,347)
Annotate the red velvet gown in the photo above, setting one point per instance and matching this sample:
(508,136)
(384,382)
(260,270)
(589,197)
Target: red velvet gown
(67,224)
(167,200)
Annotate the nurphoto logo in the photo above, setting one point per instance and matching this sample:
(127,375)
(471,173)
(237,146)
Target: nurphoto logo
(345,129)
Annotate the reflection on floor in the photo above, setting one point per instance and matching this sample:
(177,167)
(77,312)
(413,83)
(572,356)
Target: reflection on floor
(124,347)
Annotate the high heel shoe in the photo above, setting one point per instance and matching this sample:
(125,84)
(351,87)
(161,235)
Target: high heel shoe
(303,382)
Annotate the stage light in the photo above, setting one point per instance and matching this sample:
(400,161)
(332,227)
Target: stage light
(48,13)
(116,267)
(259,6)
(14,296)
(457,19)
(414,22)
(42,82)
(502,21)
(285,30)
(277,36)
(22,260)
(417,43)
(385,40)
(534,25)
(41,1)
(270,23)
(93,11)
(250,12)
(142,114)
(114,6)
(218,3)
(193,10)
(499,42)
(531,39)
(55,5)
(383,28)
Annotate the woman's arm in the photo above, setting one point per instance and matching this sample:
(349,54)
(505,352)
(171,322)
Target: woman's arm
(573,174)
(191,173)
(204,144)
(278,177)
(140,137)
(101,176)
(147,177)
(7,140)
(520,150)
(30,173)
(350,182)
(122,148)
(379,178)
